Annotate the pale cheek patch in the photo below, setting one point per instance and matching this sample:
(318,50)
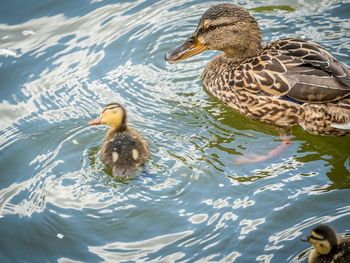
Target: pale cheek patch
(115,157)
(135,154)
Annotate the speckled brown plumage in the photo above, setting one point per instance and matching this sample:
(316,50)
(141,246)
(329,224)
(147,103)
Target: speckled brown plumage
(255,86)
(285,83)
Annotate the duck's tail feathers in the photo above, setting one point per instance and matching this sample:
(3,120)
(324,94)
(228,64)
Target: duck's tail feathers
(344,103)
(343,126)
(121,172)
(327,119)
(342,119)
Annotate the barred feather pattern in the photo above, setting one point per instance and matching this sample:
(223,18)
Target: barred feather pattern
(316,84)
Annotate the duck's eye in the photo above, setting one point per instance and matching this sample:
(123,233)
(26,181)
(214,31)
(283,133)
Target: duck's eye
(211,27)
(190,41)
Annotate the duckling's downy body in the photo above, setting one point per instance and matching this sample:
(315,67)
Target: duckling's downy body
(287,82)
(123,150)
(328,246)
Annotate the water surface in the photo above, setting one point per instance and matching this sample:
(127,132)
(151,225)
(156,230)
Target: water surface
(61,61)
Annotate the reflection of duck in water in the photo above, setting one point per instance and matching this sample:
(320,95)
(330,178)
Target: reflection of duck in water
(285,83)
(328,246)
(123,150)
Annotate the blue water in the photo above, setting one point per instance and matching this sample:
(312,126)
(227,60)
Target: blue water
(62,61)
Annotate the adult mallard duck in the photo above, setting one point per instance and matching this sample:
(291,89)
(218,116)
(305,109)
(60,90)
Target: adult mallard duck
(123,150)
(287,82)
(328,246)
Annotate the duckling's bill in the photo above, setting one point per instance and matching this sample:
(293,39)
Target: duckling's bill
(188,49)
(95,122)
(305,239)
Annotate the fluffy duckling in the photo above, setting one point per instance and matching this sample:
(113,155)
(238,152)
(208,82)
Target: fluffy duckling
(328,246)
(123,150)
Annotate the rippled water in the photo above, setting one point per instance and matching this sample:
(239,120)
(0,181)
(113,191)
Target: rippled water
(61,61)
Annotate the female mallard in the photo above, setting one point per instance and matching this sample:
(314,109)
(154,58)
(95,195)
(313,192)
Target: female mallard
(123,150)
(287,82)
(328,246)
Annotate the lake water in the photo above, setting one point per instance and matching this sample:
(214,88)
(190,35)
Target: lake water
(62,61)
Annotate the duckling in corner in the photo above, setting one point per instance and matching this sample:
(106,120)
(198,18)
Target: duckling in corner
(124,150)
(328,246)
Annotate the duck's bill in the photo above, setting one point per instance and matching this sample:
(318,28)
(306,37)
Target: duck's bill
(95,122)
(186,50)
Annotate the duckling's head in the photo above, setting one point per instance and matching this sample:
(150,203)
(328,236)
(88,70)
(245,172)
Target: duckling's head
(323,238)
(113,115)
(223,27)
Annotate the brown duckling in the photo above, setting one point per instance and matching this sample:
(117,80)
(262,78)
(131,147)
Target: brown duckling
(287,82)
(124,150)
(328,246)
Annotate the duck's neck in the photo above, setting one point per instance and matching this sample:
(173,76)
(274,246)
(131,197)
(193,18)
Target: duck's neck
(114,130)
(243,51)
(240,55)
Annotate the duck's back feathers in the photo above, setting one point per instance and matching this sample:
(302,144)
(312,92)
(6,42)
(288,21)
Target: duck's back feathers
(301,70)
(342,255)
(125,152)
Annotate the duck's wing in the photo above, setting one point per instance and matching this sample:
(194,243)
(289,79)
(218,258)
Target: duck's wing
(297,69)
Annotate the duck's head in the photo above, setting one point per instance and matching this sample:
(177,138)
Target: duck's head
(323,238)
(113,115)
(224,27)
